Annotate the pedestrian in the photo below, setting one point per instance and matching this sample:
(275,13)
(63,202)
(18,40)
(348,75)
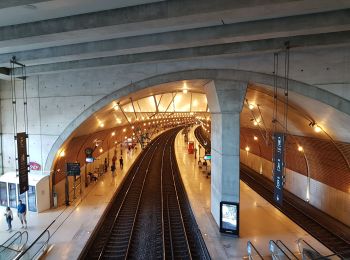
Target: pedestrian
(21,213)
(121,162)
(9,217)
(113,169)
(105,165)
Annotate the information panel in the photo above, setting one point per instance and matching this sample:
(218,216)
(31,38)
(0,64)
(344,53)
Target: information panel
(22,162)
(229,217)
(278,167)
(73,169)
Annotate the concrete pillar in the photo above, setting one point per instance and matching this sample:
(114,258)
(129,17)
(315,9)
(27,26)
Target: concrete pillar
(225,101)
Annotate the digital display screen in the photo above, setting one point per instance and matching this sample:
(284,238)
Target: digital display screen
(89,159)
(229,217)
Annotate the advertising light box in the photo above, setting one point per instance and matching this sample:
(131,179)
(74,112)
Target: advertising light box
(229,217)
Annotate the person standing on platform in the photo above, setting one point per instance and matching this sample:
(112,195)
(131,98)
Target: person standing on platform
(113,169)
(121,163)
(9,217)
(105,165)
(21,213)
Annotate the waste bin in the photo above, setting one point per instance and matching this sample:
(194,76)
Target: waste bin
(190,147)
(55,200)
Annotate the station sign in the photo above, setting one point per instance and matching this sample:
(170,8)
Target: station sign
(278,167)
(22,162)
(229,218)
(73,169)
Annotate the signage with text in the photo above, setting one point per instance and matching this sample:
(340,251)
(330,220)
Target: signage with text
(22,162)
(73,169)
(278,167)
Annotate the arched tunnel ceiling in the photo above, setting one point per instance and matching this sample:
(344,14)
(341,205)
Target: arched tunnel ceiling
(170,98)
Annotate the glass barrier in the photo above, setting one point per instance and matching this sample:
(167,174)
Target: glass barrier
(38,248)
(286,250)
(253,253)
(307,251)
(276,252)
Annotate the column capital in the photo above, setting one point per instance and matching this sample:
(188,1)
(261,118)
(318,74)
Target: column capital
(225,96)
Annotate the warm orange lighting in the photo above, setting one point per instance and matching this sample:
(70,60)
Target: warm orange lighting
(247,148)
(255,122)
(124,130)
(317,129)
(102,124)
(300,148)
(113,133)
(101,150)
(255,138)
(62,154)
(184,91)
(251,106)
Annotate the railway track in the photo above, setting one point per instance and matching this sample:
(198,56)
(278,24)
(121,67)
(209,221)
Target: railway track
(150,218)
(292,207)
(203,139)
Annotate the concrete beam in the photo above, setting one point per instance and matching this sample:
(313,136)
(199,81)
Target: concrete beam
(13,3)
(247,31)
(160,17)
(241,48)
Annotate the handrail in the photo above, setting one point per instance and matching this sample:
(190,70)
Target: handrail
(18,232)
(272,246)
(9,239)
(249,250)
(117,215)
(178,203)
(36,240)
(285,247)
(340,255)
(19,236)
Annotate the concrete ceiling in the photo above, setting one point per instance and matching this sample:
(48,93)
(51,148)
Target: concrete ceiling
(61,35)
(58,35)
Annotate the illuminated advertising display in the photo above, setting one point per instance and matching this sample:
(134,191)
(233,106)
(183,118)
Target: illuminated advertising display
(229,217)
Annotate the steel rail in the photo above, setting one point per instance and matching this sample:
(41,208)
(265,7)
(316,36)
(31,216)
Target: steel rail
(178,204)
(123,201)
(138,205)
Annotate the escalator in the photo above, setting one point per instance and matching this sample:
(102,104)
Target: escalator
(13,246)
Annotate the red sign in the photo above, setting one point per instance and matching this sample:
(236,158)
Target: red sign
(34,166)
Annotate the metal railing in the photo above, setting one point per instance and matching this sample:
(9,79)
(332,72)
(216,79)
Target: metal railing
(253,253)
(307,251)
(277,252)
(38,247)
(13,245)
(286,250)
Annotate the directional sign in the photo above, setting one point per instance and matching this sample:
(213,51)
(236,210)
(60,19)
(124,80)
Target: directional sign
(73,169)
(22,162)
(278,167)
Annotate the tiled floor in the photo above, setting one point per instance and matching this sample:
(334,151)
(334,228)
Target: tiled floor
(259,220)
(73,225)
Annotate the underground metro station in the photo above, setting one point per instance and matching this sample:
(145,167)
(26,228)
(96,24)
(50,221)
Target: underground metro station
(186,129)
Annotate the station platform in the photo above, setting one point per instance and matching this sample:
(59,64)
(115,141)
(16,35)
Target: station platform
(259,221)
(73,224)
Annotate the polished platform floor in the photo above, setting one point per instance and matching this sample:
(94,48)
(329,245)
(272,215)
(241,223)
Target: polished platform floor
(259,221)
